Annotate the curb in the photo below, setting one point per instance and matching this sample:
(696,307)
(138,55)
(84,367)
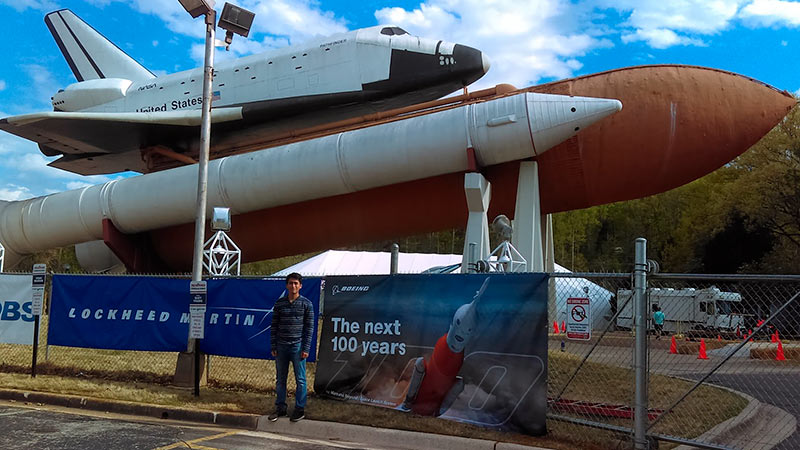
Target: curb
(237,420)
(382,437)
(739,430)
(334,431)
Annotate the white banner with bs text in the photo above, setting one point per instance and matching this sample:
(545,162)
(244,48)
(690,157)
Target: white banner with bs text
(16,319)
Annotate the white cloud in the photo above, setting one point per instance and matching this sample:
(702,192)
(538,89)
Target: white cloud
(43,84)
(525,42)
(660,38)
(282,21)
(296,20)
(12,193)
(79,184)
(2,85)
(22,5)
(663,24)
(772,12)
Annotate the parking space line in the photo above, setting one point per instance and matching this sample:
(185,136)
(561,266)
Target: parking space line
(191,443)
(13,413)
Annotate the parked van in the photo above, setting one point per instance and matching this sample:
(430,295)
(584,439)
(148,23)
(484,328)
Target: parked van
(686,309)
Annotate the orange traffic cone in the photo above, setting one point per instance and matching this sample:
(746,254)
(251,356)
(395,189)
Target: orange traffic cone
(719,338)
(673,346)
(779,356)
(774,337)
(555,327)
(563,326)
(702,354)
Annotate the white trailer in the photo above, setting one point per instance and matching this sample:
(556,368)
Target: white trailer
(686,309)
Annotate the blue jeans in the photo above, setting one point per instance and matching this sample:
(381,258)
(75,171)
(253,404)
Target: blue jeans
(287,353)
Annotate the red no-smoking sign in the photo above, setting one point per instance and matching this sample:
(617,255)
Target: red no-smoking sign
(579,318)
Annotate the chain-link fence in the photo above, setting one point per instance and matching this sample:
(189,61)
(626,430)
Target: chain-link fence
(733,335)
(722,367)
(722,362)
(135,366)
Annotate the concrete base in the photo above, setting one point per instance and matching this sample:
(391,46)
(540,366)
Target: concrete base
(184,371)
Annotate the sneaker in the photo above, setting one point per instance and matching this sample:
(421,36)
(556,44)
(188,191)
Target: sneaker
(297,415)
(405,407)
(278,413)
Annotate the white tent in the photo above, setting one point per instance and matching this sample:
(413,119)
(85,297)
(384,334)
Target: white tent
(340,262)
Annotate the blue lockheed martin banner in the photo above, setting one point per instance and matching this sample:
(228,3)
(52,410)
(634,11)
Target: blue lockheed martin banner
(141,313)
(239,315)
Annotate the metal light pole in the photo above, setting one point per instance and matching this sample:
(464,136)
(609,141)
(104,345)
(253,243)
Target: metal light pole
(197,8)
(234,20)
(205,142)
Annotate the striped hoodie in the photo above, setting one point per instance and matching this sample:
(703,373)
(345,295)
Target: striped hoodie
(292,322)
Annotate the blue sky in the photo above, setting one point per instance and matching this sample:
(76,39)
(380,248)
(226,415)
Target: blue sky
(528,42)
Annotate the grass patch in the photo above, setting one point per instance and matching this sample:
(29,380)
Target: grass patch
(247,386)
(699,412)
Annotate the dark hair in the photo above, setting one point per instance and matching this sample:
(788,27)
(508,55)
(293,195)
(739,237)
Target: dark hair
(656,308)
(294,276)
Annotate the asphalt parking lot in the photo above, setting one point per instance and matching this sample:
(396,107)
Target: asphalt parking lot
(43,427)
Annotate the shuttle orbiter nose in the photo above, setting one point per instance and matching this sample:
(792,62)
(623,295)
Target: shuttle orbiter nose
(469,62)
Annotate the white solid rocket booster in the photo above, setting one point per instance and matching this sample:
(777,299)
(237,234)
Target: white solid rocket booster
(500,130)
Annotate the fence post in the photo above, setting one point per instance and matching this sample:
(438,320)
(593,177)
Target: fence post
(640,349)
(394,259)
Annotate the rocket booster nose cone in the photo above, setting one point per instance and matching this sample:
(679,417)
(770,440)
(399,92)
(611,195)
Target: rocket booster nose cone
(556,118)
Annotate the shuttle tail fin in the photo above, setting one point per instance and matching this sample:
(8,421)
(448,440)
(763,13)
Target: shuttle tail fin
(89,54)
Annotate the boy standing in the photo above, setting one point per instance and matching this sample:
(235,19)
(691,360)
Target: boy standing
(290,341)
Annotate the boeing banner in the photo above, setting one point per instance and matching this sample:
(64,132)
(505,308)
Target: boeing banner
(16,319)
(471,348)
(152,314)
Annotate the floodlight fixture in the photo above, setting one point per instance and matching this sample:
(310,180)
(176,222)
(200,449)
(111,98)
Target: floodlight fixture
(502,225)
(197,8)
(221,219)
(235,20)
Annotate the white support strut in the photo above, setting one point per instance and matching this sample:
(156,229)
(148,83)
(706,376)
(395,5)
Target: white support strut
(528,236)
(479,192)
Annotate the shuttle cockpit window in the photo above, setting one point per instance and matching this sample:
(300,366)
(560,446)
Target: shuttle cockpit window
(393,31)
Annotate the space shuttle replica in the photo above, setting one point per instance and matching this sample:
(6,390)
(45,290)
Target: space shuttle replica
(118,111)
(348,140)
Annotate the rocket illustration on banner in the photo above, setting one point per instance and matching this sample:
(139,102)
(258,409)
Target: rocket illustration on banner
(435,383)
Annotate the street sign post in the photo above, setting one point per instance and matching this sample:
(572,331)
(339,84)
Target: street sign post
(197,309)
(37,303)
(197,321)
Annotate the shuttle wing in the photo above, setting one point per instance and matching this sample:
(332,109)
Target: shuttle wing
(88,136)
